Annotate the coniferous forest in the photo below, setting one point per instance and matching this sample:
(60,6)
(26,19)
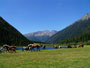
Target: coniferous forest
(10,35)
(78,32)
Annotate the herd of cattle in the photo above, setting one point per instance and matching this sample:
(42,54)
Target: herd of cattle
(11,48)
(70,46)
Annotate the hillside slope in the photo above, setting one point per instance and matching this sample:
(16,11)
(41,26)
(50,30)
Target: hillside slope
(9,35)
(75,29)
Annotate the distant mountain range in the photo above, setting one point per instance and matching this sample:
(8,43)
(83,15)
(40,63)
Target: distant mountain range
(76,32)
(10,35)
(40,36)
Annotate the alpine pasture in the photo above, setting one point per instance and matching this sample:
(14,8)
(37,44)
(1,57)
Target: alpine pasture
(56,58)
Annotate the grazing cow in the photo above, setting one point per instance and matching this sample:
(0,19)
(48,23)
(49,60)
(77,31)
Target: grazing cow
(55,46)
(32,46)
(75,46)
(81,45)
(69,46)
(9,48)
(59,47)
(25,48)
(44,47)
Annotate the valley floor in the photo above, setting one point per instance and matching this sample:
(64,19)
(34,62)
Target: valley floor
(57,58)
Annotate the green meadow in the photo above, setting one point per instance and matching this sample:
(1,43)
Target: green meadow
(56,58)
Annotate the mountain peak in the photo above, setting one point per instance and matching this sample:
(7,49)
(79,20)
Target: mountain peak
(42,33)
(72,31)
(41,36)
(85,17)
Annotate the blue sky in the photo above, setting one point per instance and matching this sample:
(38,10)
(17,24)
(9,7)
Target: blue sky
(37,15)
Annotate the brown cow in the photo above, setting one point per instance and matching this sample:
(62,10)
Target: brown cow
(81,45)
(9,48)
(34,46)
(55,46)
(74,46)
(69,46)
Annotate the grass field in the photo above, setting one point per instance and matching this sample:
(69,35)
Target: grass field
(58,58)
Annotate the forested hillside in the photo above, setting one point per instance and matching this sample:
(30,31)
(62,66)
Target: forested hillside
(10,35)
(83,38)
(79,30)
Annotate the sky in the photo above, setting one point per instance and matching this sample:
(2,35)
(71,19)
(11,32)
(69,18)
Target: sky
(37,15)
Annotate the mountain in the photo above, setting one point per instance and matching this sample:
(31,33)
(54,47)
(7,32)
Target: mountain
(74,30)
(40,36)
(10,35)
